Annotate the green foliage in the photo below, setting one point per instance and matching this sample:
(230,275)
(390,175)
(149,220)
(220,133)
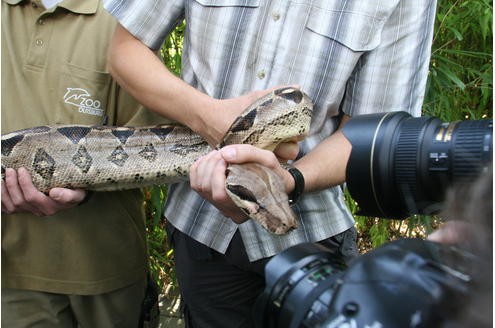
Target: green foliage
(460,81)
(156,198)
(161,256)
(171,51)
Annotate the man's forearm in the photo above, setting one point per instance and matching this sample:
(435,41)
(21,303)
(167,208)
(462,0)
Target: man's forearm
(325,165)
(143,75)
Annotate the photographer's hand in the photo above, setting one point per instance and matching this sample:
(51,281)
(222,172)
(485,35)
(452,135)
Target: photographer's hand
(20,195)
(453,232)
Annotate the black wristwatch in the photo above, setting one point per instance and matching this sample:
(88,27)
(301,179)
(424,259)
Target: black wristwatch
(298,185)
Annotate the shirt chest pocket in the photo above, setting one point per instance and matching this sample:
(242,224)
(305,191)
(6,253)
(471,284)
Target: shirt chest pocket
(358,29)
(83,95)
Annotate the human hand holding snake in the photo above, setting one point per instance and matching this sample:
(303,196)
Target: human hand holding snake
(208,174)
(20,195)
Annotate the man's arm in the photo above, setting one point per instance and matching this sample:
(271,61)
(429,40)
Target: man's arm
(143,75)
(325,166)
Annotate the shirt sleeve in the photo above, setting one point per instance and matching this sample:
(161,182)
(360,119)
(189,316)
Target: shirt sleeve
(392,76)
(148,20)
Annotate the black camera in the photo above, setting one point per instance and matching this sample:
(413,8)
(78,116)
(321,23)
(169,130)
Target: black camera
(405,283)
(399,165)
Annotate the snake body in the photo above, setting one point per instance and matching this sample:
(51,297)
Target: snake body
(104,158)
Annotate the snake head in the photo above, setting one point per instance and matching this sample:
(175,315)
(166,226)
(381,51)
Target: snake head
(260,193)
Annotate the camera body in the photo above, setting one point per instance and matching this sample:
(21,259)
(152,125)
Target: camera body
(399,166)
(405,283)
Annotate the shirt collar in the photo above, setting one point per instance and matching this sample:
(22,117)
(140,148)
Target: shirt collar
(76,6)
(80,7)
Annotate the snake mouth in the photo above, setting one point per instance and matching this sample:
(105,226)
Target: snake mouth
(252,207)
(246,197)
(242,192)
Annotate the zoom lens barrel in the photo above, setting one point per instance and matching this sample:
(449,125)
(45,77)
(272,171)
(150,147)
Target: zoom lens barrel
(402,165)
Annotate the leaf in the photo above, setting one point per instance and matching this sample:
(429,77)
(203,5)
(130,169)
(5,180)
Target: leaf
(157,204)
(456,32)
(452,77)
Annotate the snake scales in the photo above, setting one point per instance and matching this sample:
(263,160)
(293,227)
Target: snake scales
(104,158)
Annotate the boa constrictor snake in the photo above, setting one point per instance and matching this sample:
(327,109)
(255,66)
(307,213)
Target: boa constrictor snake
(104,158)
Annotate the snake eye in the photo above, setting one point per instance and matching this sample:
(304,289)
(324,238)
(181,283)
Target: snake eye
(290,93)
(243,193)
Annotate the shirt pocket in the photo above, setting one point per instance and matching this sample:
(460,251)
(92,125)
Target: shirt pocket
(359,30)
(83,95)
(229,3)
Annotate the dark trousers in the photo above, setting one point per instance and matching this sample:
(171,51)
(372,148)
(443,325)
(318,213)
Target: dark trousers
(28,308)
(219,290)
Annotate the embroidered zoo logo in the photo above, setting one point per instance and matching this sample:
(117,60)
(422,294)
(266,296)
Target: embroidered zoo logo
(81,98)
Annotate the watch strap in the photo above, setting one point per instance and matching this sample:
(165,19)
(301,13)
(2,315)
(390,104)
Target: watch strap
(298,185)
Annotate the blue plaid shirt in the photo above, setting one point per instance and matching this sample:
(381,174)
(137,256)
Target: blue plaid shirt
(350,56)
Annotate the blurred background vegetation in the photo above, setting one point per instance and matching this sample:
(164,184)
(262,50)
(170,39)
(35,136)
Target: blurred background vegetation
(459,88)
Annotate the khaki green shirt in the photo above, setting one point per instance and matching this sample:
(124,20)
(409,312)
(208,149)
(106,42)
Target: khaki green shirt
(54,71)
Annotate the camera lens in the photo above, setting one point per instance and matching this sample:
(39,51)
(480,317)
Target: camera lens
(298,281)
(402,165)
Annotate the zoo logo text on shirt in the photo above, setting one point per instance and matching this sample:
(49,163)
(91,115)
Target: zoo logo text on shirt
(81,98)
